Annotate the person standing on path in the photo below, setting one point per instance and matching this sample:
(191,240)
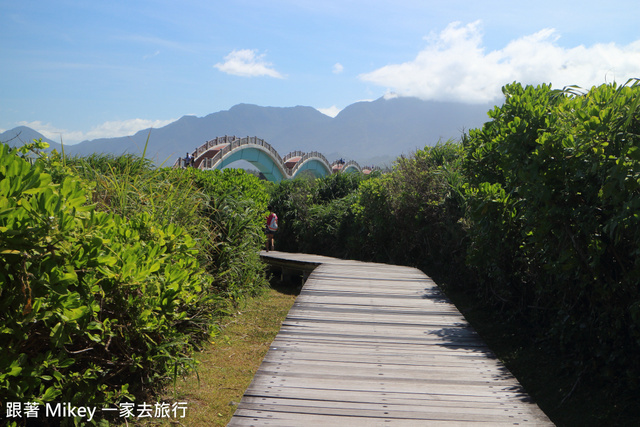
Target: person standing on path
(271,228)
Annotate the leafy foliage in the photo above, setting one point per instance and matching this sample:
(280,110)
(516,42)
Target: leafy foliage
(537,212)
(315,216)
(408,216)
(88,306)
(106,301)
(554,196)
(236,210)
(291,200)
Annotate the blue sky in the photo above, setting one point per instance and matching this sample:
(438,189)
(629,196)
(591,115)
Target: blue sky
(82,69)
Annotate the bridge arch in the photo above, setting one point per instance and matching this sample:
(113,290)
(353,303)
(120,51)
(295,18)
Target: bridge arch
(346,167)
(259,154)
(223,151)
(313,162)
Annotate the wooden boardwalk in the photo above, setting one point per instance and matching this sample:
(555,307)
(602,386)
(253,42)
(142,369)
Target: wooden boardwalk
(372,344)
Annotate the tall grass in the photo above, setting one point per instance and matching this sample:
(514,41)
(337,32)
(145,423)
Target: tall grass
(130,186)
(222,211)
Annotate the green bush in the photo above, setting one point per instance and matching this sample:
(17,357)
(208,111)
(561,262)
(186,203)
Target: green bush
(236,211)
(291,200)
(409,216)
(128,185)
(375,229)
(412,215)
(222,211)
(315,215)
(93,307)
(554,196)
(106,301)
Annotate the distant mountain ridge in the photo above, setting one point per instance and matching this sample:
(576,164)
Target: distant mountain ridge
(23,135)
(369,132)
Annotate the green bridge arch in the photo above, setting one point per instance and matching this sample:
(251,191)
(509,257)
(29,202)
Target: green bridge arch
(224,151)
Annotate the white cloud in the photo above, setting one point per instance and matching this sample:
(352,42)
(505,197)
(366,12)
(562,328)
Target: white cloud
(151,55)
(338,68)
(247,63)
(454,65)
(109,129)
(125,127)
(51,132)
(331,111)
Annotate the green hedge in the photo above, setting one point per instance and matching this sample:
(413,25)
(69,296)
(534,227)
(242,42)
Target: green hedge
(106,302)
(410,215)
(537,213)
(554,200)
(315,215)
(236,210)
(88,308)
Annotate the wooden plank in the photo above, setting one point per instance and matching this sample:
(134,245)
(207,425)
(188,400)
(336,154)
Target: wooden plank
(374,344)
(394,409)
(261,418)
(375,368)
(320,354)
(468,403)
(466,387)
(421,398)
(375,411)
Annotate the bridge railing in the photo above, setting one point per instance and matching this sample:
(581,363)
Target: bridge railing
(232,142)
(235,143)
(218,140)
(310,155)
(351,163)
(293,154)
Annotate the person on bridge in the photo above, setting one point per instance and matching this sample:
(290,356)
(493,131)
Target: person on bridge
(187,160)
(271,228)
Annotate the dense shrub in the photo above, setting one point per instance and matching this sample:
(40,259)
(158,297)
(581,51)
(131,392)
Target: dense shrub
(421,207)
(128,185)
(236,210)
(106,301)
(221,210)
(408,216)
(554,196)
(315,215)
(93,307)
(291,200)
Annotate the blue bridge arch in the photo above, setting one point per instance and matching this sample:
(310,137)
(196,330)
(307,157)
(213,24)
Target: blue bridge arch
(223,151)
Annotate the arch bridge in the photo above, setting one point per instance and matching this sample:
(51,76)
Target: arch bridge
(223,151)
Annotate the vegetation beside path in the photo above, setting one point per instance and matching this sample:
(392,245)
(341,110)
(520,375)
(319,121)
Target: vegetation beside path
(113,274)
(531,224)
(231,359)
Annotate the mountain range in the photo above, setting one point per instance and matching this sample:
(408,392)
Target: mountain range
(370,132)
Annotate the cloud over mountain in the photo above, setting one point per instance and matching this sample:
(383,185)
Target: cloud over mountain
(247,63)
(110,129)
(364,131)
(455,66)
